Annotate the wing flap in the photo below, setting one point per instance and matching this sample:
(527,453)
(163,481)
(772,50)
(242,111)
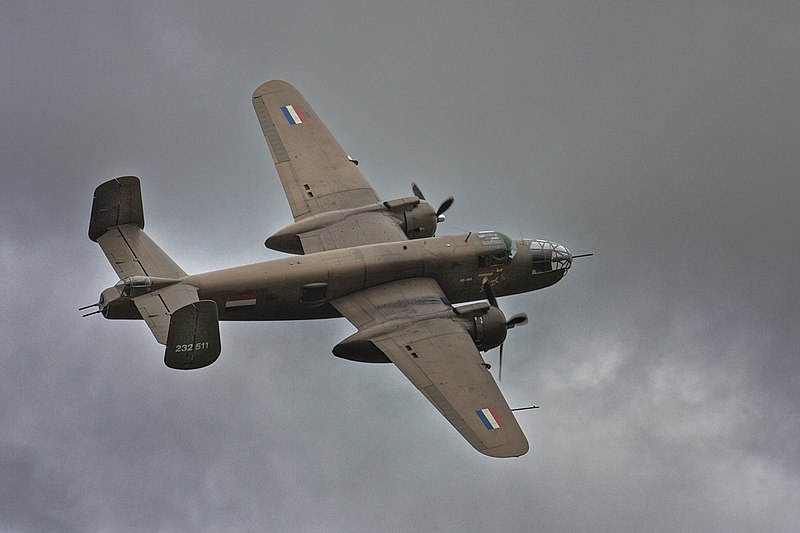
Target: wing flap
(371,227)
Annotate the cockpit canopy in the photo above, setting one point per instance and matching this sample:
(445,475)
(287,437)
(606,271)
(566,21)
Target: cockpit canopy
(499,248)
(134,286)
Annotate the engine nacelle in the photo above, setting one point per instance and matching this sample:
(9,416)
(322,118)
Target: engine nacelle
(487,330)
(414,216)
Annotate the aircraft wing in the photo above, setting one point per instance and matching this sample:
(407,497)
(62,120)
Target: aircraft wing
(415,328)
(316,173)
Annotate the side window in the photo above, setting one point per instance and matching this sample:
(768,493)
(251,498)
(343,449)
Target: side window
(542,260)
(541,255)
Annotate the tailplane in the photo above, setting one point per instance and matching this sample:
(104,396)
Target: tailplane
(150,279)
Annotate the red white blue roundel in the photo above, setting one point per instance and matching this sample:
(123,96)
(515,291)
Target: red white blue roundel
(489,418)
(293,115)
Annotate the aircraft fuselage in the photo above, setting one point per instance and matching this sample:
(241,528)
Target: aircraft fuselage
(300,287)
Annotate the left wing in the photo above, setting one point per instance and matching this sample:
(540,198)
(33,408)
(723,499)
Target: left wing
(412,324)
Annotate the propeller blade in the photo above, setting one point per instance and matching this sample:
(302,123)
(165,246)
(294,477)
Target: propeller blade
(445,206)
(500,364)
(442,208)
(417,191)
(487,289)
(517,320)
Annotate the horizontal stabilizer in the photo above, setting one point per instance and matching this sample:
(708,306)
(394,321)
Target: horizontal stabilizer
(116,202)
(193,339)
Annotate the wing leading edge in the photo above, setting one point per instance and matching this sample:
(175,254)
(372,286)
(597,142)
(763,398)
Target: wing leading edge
(410,322)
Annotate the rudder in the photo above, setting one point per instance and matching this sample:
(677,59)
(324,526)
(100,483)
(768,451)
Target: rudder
(193,339)
(116,202)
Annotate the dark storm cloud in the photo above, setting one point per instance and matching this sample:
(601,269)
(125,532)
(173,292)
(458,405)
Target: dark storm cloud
(662,137)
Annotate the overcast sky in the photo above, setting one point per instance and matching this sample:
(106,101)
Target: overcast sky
(662,136)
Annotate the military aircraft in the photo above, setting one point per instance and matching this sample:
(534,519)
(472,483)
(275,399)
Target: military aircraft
(376,263)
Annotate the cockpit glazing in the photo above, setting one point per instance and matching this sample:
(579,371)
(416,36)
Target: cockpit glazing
(498,249)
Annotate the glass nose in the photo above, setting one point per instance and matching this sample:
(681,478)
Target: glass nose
(548,256)
(561,257)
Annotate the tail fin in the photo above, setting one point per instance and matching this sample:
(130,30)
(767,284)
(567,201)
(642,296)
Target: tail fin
(193,340)
(116,202)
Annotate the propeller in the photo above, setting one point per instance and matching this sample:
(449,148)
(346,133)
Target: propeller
(519,319)
(442,208)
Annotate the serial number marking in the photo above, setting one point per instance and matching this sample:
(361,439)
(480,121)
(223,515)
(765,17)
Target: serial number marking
(191,347)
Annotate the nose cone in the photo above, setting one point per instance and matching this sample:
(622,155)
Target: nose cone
(549,256)
(562,259)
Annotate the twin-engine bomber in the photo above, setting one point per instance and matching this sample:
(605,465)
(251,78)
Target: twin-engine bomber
(376,263)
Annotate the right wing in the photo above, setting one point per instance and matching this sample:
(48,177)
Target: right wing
(410,322)
(315,171)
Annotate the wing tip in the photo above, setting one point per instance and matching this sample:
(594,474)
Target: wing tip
(271,87)
(517,448)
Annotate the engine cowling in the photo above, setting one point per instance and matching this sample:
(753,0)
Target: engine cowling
(416,216)
(420,221)
(487,330)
